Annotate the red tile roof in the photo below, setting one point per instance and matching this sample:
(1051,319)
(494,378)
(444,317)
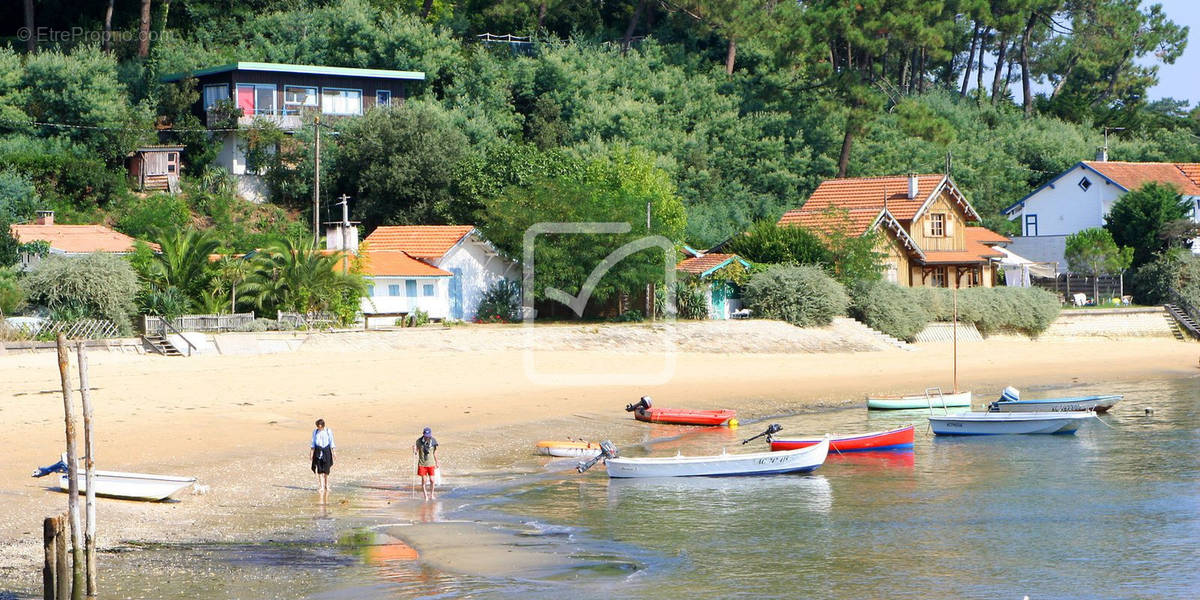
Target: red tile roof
(420,241)
(394,263)
(699,264)
(1133,175)
(76,239)
(870,192)
(983,235)
(857,220)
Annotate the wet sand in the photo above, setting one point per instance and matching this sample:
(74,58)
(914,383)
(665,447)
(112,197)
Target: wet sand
(241,424)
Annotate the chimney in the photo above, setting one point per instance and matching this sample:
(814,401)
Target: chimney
(45,217)
(912,186)
(1102,154)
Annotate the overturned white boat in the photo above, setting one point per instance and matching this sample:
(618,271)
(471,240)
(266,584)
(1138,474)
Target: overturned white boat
(117,484)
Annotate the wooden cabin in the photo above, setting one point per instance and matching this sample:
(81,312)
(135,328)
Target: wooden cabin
(155,168)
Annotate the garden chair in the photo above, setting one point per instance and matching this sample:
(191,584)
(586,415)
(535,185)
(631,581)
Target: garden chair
(1080,299)
(1126,300)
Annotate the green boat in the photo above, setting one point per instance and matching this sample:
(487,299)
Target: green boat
(934,399)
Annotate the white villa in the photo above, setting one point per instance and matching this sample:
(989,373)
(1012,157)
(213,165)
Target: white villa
(1080,197)
(442,270)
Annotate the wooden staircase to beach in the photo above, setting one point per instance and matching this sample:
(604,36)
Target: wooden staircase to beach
(160,344)
(1181,322)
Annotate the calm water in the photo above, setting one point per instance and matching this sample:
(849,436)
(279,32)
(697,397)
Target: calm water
(1112,512)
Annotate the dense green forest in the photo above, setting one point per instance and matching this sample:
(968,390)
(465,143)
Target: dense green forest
(746,106)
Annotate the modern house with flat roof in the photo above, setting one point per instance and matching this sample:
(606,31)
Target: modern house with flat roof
(289,96)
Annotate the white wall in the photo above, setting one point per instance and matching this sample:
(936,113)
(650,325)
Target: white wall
(437,305)
(233,159)
(479,271)
(1063,208)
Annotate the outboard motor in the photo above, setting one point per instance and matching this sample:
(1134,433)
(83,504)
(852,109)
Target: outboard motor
(642,404)
(607,451)
(771,430)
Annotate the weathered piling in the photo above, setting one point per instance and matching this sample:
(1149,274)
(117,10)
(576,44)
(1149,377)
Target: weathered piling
(49,562)
(77,562)
(89,461)
(61,565)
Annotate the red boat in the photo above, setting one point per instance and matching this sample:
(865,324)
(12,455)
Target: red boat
(642,411)
(895,439)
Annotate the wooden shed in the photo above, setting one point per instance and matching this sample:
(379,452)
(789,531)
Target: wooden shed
(155,167)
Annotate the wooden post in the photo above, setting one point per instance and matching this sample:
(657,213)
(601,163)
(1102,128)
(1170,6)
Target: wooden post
(316,181)
(49,566)
(77,562)
(62,591)
(89,462)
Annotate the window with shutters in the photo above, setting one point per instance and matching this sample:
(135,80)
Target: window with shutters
(937,225)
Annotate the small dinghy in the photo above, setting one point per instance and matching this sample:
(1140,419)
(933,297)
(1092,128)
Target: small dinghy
(643,411)
(116,484)
(1010,401)
(1002,423)
(568,448)
(893,439)
(937,400)
(801,460)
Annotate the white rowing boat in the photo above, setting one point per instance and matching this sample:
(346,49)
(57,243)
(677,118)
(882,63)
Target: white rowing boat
(958,400)
(759,463)
(132,486)
(568,448)
(1100,404)
(1001,423)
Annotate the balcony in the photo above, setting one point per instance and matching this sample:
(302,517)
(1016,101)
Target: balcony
(215,120)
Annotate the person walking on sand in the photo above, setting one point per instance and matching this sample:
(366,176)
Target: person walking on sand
(427,463)
(322,454)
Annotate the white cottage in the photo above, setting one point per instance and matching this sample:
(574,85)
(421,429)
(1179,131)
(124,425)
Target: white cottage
(442,270)
(1080,197)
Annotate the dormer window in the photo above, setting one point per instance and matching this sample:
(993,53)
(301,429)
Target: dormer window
(1085,183)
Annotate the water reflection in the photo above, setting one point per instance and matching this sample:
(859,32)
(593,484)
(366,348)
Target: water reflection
(709,495)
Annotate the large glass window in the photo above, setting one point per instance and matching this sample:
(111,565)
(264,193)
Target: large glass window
(214,94)
(256,99)
(336,101)
(297,98)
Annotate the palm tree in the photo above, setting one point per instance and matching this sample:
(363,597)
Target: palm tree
(231,272)
(184,263)
(295,275)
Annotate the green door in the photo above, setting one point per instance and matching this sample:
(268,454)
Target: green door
(720,291)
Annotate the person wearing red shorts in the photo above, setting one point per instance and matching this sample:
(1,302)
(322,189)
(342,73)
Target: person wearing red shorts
(427,462)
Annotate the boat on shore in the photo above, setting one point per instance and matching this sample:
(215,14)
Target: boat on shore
(119,484)
(1010,401)
(893,439)
(568,448)
(936,400)
(1008,423)
(801,460)
(644,411)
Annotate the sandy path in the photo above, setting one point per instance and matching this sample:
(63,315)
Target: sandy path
(241,423)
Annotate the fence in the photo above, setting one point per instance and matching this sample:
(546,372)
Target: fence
(152,324)
(1111,286)
(317,320)
(26,330)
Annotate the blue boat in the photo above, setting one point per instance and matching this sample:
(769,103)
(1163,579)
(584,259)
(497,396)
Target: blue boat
(1010,401)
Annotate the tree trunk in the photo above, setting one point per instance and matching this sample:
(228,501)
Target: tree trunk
(425,8)
(904,64)
(162,21)
(1112,80)
(921,72)
(980,69)
(1001,55)
(730,55)
(31,41)
(144,31)
(633,23)
(970,61)
(1026,93)
(108,26)
(847,141)
(1058,87)
(541,14)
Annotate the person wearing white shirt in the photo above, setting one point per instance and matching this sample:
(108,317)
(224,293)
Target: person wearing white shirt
(322,454)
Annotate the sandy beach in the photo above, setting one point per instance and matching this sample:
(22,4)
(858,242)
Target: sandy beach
(240,424)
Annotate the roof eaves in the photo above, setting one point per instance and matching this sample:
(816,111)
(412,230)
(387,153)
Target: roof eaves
(1019,203)
(303,69)
(893,224)
(741,260)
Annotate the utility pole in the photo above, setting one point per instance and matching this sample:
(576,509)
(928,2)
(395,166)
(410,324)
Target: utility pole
(317,181)
(649,286)
(345,232)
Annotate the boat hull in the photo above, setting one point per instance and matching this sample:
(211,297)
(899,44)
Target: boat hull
(132,486)
(1100,404)
(1008,423)
(894,439)
(760,463)
(918,401)
(568,449)
(677,416)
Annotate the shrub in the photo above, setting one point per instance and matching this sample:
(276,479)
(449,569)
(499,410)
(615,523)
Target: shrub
(887,307)
(416,318)
(501,303)
(259,325)
(144,217)
(98,285)
(690,302)
(629,316)
(12,294)
(804,296)
(1025,310)
(18,198)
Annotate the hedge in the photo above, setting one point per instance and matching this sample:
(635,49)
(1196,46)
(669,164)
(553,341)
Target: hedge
(900,312)
(804,296)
